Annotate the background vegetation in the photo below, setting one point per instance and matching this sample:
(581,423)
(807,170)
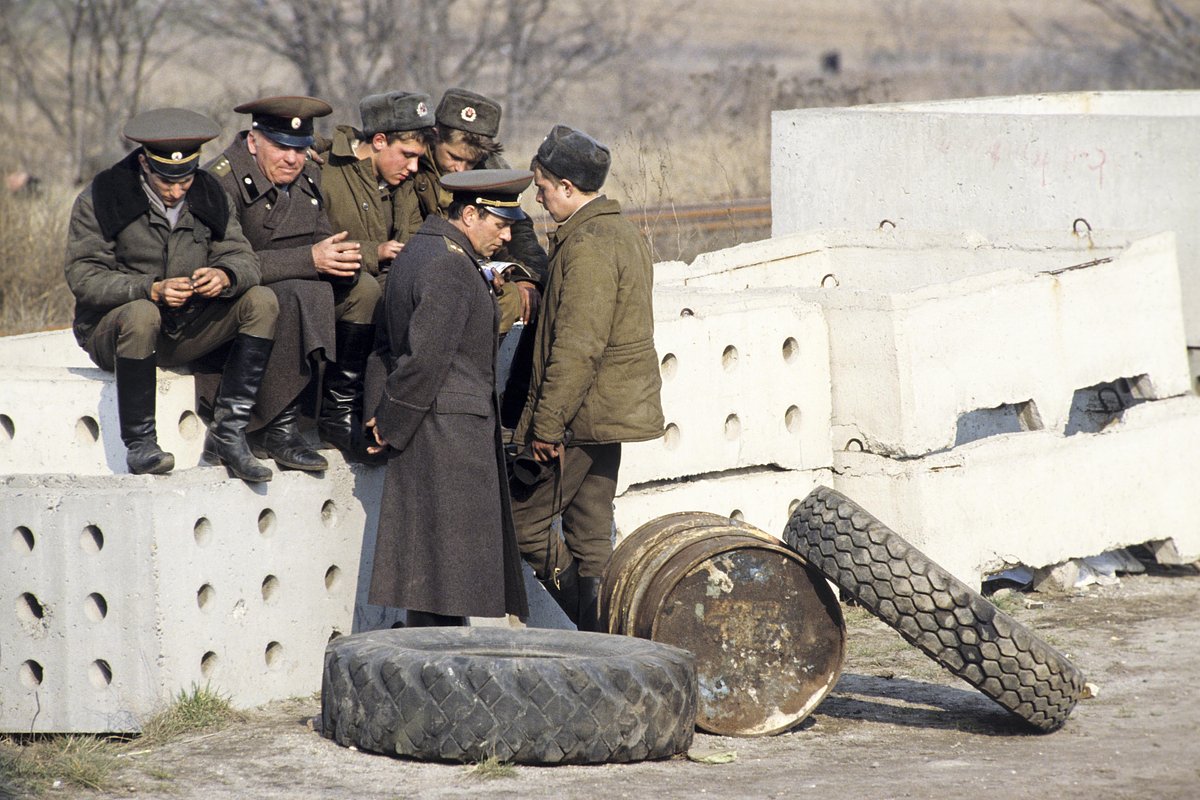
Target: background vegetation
(683,92)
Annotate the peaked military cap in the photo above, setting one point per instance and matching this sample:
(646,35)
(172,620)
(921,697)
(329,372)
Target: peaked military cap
(467,111)
(171,139)
(395,111)
(495,190)
(286,120)
(574,155)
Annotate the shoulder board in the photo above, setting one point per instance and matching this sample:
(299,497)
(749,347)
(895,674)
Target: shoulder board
(453,247)
(220,167)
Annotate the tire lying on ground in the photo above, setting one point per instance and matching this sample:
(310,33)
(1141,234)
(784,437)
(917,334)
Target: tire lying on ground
(933,610)
(524,696)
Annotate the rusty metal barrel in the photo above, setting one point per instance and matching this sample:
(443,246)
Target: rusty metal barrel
(766,629)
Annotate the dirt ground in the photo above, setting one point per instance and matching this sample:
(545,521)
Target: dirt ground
(895,726)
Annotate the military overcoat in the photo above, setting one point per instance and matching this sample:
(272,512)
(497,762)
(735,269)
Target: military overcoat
(595,370)
(282,227)
(446,541)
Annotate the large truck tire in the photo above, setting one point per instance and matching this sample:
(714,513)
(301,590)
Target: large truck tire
(523,696)
(933,610)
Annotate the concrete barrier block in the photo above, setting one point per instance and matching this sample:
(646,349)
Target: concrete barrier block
(121,591)
(762,498)
(1039,498)
(740,389)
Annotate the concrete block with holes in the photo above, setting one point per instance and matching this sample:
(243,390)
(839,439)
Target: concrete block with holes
(1039,497)
(58,411)
(764,498)
(121,591)
(740,389)
(937,340)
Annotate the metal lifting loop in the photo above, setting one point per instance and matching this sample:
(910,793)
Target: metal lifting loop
(836,282)
(1075,225)
(886,222)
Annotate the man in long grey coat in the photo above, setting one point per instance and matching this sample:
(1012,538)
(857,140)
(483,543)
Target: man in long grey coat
(446,547)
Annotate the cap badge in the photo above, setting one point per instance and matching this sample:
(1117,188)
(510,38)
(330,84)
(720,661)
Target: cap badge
(468,114)
(177,156)
(422,109)
(295,123)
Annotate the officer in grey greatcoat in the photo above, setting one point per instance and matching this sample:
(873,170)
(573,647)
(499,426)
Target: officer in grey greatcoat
(446,548)
(326,302)
(162,275)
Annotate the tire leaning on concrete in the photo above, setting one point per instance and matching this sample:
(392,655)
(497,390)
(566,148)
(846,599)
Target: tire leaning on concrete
(933,610)
(524,696)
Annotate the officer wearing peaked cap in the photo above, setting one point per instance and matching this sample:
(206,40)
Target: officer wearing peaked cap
(162,275)
(452,553)
(326,303)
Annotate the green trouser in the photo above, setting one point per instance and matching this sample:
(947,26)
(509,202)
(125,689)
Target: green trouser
(582,491)
(357,303)
(134,330)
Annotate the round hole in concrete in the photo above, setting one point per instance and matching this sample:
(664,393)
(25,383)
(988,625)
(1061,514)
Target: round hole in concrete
(202,531)
(100,673)
(791,349)
(669,365)
(91,540)
(190,426)
(30,674)
(208,664)
(729,358)
(672,436)
(22,539)
(273,655)
(329,515)
(95,607)
(791,419)
(332,576)
(29,609)
(737,516)
(336,634)
(733,427)
(7,429)
(266,522)
(205,595)
(686,312)
(792,506)
(87,430)
(270,586)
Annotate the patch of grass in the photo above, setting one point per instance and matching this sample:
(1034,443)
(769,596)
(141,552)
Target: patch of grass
(198,709)
(492,768)
(34,764)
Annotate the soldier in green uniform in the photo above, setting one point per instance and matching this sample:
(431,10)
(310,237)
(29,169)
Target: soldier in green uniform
(162,275)
(465,139)
(595,380)
(326,303)
(363,169)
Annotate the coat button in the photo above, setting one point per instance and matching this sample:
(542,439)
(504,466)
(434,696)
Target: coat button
(268,206)
(247,179)
(313,201)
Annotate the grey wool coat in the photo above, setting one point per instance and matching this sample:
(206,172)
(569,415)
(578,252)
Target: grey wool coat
(446,541)
(282,228)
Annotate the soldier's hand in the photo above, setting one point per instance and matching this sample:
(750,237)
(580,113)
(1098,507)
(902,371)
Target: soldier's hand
(389,250)
(171,292)
(210,281)
(379,440)
(531,300)
(545,451)
(498,281)
(336,256)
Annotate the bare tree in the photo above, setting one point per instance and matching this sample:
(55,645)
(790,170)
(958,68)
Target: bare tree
(1170,33)
(80,65)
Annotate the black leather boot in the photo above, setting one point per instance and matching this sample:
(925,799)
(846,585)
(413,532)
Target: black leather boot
(281,440)
(564,588)
(137,392)
(428,619)
(226,440)
(341,423)
(589,605)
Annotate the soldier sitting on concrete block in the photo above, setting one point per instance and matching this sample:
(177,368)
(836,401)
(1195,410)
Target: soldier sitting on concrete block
(363,169)
(465,139)
(161,275)
(326,303)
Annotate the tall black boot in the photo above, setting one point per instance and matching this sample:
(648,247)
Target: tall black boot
(226,440)
(589,605)
(341,423)
(428,619)
(564,588)
(281,440)
(137,392)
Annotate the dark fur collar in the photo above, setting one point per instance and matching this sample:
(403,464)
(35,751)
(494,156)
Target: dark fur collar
(118,198)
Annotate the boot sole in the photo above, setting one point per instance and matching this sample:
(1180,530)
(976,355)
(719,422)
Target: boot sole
(263,455)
